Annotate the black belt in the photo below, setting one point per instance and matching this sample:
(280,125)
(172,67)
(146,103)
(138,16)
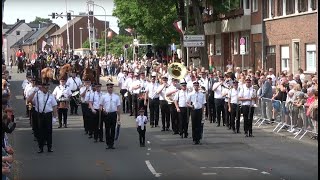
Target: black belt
(44,112)
(109,112)
(154,98)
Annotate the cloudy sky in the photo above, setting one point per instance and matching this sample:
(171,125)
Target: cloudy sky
(29,9)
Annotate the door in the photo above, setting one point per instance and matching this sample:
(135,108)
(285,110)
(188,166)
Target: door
(295,57)
(271,58)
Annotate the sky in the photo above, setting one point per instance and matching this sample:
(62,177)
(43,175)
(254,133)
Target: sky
(29,9)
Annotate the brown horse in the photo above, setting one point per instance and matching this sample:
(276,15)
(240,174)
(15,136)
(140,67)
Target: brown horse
(88,74)
(46,74)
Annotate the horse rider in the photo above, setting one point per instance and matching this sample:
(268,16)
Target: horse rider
(74,83)
(45,109)
(62,94)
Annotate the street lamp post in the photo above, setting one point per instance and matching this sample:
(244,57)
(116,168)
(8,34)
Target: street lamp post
(68,39)
(80,36)
(72,30)
(105,26)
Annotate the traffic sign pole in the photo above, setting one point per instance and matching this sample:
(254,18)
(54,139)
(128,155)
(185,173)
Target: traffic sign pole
(242,52)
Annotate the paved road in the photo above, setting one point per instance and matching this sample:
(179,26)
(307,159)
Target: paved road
(222,155)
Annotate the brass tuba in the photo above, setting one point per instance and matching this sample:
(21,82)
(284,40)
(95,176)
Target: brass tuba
(177,70)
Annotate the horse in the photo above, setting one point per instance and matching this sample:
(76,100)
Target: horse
(46,75)
(88,74)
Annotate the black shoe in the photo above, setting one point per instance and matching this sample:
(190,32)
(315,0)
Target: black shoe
(224,125)
(218,125)
(185,136)
(238,132)
(250,135)
(152,126)
(181,136)
(143,145)
(210,121)
(246,135)
(50,150)
(96,140)
(175,133)
(163,130)
(167,129)
(65,126)
(131,115)
(40,150)
(112,147)
(60,126)
(90,137)
(101,140)
(86,132)
(140,145)
(234,132)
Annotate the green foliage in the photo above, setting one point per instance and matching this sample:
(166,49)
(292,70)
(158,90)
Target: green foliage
(152,19)
(40,20)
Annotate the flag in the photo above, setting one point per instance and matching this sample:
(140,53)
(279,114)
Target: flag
(178,26)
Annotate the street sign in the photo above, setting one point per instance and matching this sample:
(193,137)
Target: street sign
(242,49)
(193,38)
(242,41)
(193,43)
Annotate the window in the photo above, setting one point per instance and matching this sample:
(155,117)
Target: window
(285,58)
(311,58)
(302,5)
(217,45)
(290,7)
(269,13)
(254,5)
(247,5)
(18,33)
(271,50)
(235,43)
(280,8)
(313,4)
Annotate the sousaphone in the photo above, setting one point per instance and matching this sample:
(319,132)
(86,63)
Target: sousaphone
(177,70)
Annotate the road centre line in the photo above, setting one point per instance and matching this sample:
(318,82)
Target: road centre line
(206,174)
(247,168)
(152,170)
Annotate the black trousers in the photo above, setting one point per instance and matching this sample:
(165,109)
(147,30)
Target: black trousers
(228,114)
(154,111)
(110,121)
(34,122)
(165,114)
(97,129)
(45,129)
(211,109)
(62,112)
(124,101)
(142,135)
(183,121)
(130,98)
(135,105)
(85,113)
(196,117)
(73,105)
(235,117)
(141,105)
(174,118)
(220,109)
(247,117)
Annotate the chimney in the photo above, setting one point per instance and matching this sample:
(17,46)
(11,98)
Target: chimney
(18,20)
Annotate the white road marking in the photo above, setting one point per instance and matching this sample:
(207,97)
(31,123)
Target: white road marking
(263,172)
(152,170)
(235,168)
(206,174)
(149,149)
(19,97)
(148,142)
(203,167)
(148,154)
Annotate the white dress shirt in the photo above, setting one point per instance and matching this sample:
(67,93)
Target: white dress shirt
(197,99)
(73,83)
(29,90)
(24,83)
(233,95)
(61,90)
(247,93)
(141,120)
(110,102)
(181,97)
(134,84)
(39,100)
(82,89)
(127,83)
(218,91)
(170,89)
(226,92)
(121,82)
(88,95)
(162,93)
(151,89)
(95,99)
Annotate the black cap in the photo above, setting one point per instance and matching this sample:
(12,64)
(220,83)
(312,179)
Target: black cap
(97,84)
(109,83)
(235,82)
(183,83)
(195,83)
(164,77)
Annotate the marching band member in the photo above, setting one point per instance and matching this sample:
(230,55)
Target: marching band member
(46,108)
(25,84)
(96,122)
(141,103)
(90,114)
(196,101)
(234,108)
(110,107)
(74,83)
(180,102)
(62,94)
(170,92)
(210,104)
(123,90)
(153,96)
(204,83)
(33,119)
(128,83)
(141,121)
(225,92)
(219,100)
(135,87)
(165,110)
(84,90)
(248,96)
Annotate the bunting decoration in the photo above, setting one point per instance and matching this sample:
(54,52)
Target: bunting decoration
(178,25)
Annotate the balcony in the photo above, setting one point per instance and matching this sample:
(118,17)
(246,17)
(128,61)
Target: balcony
(233,14)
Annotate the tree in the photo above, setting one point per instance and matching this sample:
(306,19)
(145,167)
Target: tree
(40,20)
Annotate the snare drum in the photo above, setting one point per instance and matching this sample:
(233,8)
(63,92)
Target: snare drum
(63,105)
